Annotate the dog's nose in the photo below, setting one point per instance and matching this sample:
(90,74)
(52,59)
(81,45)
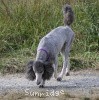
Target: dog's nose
(37,83)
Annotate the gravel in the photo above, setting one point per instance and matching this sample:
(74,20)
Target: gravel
(84,82)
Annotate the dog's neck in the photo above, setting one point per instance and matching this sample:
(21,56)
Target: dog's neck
(42,55)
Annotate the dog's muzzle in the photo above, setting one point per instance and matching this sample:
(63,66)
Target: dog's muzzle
(38,82)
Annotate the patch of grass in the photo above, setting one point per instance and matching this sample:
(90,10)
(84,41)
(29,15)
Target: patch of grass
(23,23)
(82,61)
(16,61)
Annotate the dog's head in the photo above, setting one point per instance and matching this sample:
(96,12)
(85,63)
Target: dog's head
(40,71)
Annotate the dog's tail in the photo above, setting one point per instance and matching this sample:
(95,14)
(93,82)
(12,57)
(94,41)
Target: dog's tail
(68,15)
(29,71)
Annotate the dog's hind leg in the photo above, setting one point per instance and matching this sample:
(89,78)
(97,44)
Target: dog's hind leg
(65,53)
(64,67)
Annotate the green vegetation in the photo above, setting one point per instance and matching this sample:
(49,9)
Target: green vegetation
(24,22)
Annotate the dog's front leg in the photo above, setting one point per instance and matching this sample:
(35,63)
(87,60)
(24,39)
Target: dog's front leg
(42,84)
(55,71)
(55,65)
(67,73)
(65,54)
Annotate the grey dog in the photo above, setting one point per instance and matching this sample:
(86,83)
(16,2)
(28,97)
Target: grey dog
(57,41)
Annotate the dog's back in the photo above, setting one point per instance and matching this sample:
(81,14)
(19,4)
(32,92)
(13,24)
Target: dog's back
(54,40)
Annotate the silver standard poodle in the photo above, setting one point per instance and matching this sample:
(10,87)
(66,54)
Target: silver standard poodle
(57,41)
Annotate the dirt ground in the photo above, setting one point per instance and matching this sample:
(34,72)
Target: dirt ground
(80,85)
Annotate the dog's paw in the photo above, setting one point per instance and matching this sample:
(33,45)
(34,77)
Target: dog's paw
(59,79)
(41,86)
(67,74)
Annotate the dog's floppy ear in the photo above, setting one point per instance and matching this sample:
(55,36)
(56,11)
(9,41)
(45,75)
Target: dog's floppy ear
(48,71)
(29,71)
